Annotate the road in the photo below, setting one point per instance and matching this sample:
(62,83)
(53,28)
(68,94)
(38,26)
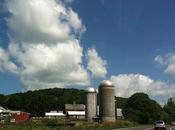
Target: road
(146,128)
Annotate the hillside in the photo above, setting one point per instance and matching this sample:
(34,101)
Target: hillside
(40,101)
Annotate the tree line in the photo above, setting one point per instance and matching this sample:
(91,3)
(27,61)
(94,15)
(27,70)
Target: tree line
(41,101)
(139,107)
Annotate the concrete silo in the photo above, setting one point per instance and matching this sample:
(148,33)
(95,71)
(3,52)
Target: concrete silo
(107,101)
(91,104)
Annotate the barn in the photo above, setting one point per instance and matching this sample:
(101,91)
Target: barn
(19,117)
(75,111)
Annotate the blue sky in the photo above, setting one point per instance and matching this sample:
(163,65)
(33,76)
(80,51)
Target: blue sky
(127,35)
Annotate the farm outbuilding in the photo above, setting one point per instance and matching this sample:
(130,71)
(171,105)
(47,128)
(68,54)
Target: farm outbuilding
(75,111)
(19,117)
(4,115)
(76,114)
(55,114)
(119,114)
(7,115)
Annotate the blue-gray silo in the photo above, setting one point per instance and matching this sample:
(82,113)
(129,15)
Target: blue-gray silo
(107,101)
(91,104)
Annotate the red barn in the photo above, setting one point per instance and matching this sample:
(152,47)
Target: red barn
(19,116)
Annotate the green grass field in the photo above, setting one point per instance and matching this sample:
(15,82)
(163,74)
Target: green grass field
(81,126)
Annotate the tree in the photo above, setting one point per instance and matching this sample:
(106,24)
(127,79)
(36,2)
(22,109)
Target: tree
(41,101)
(2,99)
(170,108)
(140,108)
(120,102)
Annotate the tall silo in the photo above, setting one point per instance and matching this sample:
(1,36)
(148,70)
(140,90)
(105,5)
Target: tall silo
(91,104)
(107,101)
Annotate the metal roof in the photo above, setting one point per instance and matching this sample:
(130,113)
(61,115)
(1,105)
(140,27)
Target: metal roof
(77,113)
(54,113)
(74,107)
(1,108)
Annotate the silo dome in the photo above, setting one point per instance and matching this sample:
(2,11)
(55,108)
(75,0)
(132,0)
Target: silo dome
(90,89)
(106,83)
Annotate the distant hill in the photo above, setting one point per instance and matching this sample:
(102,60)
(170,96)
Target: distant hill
(40,101)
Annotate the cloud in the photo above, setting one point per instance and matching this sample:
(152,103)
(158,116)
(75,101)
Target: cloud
(38,21)
(96,64)
(60,64)
(5,63)
(159,60)
(75,23)
(44,49)
(128,84)
(168,62)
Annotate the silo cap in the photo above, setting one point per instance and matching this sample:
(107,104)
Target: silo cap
(106,83)
(90,89)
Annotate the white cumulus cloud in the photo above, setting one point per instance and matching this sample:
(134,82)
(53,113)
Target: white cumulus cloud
(128,84)
(96,64)
(44,49)
(50,64)
(36,21)
(5,63)
(167,61)
(159,60)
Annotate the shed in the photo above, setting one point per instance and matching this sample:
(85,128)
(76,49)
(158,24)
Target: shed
(119,113)
(4,115)
(76,114)
(55,114)
(75,111)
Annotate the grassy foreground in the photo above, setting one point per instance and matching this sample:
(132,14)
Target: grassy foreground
(81,126)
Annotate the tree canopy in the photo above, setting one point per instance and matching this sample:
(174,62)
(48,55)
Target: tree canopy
(170,108)
(140,108)
(41,101)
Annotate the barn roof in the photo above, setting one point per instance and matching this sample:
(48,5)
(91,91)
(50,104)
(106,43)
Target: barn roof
(75,107)
(1,108)
(54,113)
(77,113)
